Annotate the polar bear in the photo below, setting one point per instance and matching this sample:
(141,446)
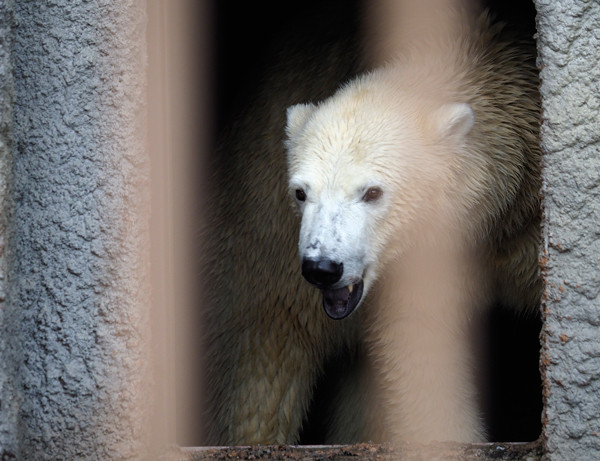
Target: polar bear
(417,190)
(417,186)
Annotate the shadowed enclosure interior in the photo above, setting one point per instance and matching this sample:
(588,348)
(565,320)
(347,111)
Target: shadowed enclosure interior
(246,40)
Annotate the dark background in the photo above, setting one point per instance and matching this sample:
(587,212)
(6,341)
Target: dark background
(245,35)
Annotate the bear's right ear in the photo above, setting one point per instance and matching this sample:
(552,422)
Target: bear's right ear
(296,117)
(453,121)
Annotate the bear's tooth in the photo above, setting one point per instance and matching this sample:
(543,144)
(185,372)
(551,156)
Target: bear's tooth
(350,288)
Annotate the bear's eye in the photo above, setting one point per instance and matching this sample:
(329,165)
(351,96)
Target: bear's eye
(372,194)
(300,195)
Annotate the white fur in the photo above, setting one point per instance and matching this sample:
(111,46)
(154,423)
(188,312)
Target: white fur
(410,243)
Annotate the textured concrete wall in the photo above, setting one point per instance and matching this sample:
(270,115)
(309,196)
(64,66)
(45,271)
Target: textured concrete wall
(8,407)
(569,56)
(76,267)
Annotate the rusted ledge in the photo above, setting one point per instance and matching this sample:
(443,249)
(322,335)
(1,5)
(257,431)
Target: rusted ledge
(532,451)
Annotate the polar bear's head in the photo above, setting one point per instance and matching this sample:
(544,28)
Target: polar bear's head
(363,169)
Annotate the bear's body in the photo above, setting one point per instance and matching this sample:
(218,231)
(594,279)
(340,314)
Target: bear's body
(418,189)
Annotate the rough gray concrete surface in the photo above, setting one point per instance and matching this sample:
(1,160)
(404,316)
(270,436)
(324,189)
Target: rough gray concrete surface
(569,57)
(8,407)
(77,241)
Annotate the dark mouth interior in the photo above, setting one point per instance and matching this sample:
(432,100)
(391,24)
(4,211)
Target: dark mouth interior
(339,303)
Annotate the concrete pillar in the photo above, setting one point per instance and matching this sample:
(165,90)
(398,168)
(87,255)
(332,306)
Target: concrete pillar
(8,353)
(76,265)
(569,57)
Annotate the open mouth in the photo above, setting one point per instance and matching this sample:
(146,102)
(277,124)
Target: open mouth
(339,303)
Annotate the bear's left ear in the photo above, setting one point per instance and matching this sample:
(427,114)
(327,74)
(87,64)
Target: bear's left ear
(453,121)
(296,117)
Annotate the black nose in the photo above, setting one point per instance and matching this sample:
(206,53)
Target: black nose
(323,272)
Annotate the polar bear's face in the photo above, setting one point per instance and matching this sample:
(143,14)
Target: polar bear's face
(337,239)
(341,183)
(360,175)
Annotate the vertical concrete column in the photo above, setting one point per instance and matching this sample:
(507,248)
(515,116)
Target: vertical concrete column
(8,402)
(569,58)
(77,239)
